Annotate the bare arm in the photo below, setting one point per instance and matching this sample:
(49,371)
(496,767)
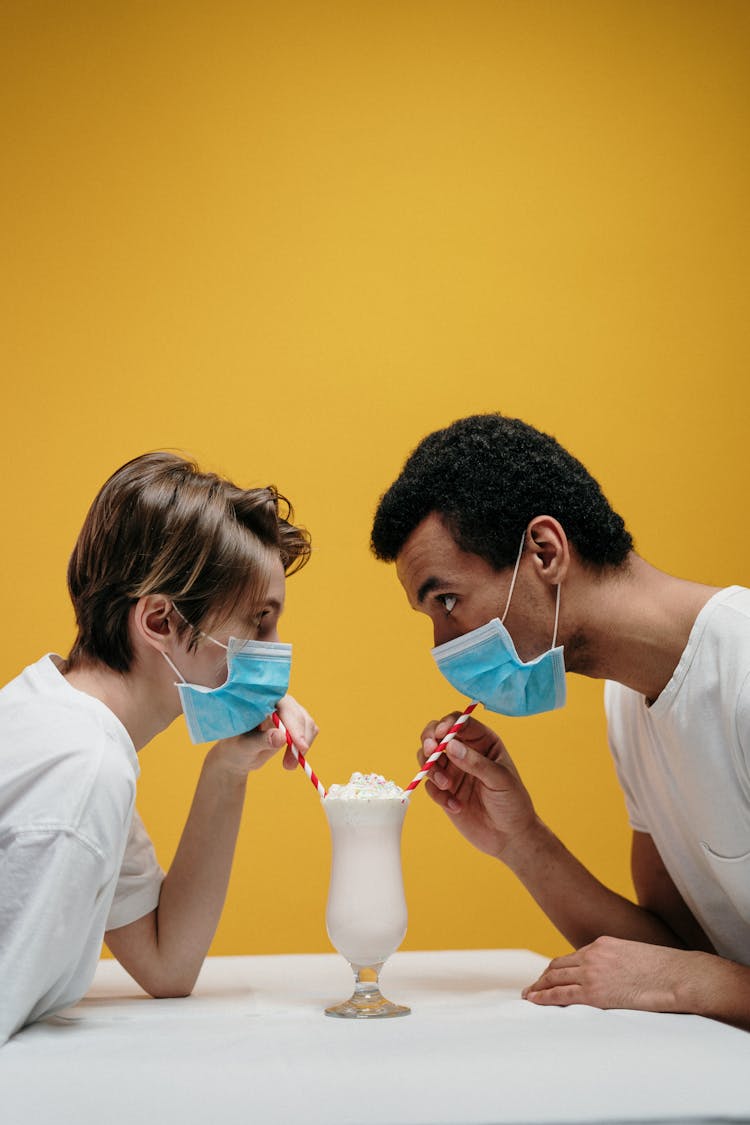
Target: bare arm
(611,972)
(577,903)
(164,950)
(652,956)
(482,793)
(657,893)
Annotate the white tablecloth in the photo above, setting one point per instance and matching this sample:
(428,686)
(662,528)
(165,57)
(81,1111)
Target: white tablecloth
(252,1046)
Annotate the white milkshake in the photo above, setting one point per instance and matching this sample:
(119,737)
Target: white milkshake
(366,914)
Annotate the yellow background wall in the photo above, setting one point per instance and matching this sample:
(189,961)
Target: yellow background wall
(291,239)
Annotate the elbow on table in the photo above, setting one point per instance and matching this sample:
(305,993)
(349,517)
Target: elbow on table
(169,991)
(168,985)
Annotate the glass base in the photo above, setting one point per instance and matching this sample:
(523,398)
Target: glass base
(367,1001)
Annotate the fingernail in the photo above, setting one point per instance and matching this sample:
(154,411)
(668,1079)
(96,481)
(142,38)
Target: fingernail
(439,778)
(452,804)
(455,750)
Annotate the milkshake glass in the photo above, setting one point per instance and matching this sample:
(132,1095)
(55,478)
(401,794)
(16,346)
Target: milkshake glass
(366,912)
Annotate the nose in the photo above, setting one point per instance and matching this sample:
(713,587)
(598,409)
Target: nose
(439,635)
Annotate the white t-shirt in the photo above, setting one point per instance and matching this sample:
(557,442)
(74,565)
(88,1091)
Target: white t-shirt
(75,858)
(684,766)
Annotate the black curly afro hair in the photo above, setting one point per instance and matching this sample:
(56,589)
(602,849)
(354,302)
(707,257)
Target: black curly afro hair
(487,476)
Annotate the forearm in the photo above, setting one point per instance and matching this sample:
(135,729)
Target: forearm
(576,902)
(164,950)
(716,988)
(195,888)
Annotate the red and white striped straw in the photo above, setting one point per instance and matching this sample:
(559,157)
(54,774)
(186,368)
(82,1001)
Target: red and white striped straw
(301,759)
(448,737)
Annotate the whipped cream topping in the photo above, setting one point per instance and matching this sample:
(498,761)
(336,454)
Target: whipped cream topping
(365,787)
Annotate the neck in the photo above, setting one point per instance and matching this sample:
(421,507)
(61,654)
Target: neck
(130,696)
(632,624)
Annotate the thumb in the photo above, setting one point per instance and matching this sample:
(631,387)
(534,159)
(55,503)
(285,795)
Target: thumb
(491,774)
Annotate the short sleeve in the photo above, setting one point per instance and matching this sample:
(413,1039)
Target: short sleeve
(614,705)
(743,726)
(140,879)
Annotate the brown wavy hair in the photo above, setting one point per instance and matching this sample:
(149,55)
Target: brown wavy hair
(160,525)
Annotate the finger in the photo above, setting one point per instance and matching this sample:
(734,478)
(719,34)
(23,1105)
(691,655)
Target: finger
(453,777)
(445,724)
(559,997)
(440,797)
(289,761)
(551,978)
(265,738)
(275,740)
(439,778)
(473,732)
(445,799)
(431,728)
(258,747)
(427,749)
(484,769)
(297,722)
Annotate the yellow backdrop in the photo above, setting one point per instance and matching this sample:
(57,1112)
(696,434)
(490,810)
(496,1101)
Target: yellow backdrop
(291,239)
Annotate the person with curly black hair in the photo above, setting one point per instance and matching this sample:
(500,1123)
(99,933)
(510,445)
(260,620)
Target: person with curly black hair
(508,544)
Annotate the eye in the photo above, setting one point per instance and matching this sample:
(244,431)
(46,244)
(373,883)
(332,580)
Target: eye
(266,620)
(447,601)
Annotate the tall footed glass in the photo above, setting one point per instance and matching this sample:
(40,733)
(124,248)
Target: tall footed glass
(366,913)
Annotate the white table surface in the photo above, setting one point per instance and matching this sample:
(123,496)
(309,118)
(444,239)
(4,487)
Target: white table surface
(252,1046)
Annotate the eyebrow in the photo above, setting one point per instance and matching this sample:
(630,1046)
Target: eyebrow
(427,587)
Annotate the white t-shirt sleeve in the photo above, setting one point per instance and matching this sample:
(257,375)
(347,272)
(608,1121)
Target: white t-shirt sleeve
(139,883)
(743,724)
(53,886)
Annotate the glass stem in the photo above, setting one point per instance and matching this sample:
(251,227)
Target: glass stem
(366,981)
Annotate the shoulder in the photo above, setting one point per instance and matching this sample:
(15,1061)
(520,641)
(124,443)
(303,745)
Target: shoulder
(729,613)
(40,707)
(723,649)
(65,758)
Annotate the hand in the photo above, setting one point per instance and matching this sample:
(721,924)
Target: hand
(614,973)
(301,726)
(247,752)
(477,785)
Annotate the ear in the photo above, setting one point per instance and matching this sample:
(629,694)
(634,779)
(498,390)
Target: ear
(548,548)
(152,618)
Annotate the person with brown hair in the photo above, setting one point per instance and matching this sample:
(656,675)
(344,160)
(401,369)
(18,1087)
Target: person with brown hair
(177,581)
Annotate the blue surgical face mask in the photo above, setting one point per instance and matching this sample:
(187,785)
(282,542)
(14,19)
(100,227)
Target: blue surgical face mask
(258,677)
(484,665)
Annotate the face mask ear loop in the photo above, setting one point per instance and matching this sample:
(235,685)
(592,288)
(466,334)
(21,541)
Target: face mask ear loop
(174,668)
(200,631)
(557,615)
(513,579)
